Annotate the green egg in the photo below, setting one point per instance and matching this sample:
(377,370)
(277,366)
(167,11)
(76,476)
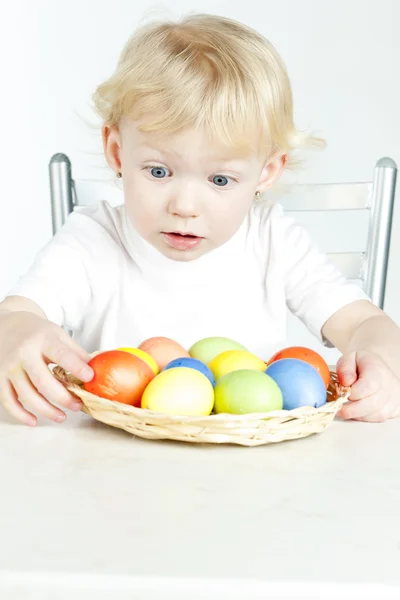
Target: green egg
(208,348)
(247,391)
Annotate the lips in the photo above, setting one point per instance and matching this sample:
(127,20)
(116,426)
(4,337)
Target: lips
(182,241)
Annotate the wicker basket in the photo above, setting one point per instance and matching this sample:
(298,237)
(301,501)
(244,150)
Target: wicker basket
(252,429)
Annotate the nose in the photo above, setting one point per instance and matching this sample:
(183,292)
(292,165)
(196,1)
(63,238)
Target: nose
(183,203)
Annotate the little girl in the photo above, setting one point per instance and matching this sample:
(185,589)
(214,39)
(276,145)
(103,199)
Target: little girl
(198,123)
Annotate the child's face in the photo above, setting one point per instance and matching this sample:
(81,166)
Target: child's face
(182,195)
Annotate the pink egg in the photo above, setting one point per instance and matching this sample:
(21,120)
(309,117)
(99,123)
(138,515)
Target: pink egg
(163,350)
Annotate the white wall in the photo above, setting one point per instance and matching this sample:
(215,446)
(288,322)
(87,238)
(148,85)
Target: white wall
(343,58)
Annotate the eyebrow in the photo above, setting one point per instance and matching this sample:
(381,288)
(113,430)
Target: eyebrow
(165,151)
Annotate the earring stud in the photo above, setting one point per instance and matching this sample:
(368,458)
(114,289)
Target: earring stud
(119,175)
(257,195)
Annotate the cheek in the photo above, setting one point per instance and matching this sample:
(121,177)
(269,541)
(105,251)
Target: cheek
(143,215)
(229,211)
(142,203)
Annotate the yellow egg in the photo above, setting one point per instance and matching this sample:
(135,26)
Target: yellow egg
(144,356)
(235,360)
(179,391)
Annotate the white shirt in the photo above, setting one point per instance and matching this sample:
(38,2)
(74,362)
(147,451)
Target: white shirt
(100,279)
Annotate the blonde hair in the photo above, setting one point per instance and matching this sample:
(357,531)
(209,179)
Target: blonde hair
(205,71)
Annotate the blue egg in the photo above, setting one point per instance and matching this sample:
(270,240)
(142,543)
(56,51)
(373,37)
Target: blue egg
(300,383)
(192,363)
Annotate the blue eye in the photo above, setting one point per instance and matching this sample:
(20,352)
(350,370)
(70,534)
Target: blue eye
(159,172)
(221,180)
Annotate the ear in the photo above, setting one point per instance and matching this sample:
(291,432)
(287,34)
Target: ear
(112,146)
(271,172)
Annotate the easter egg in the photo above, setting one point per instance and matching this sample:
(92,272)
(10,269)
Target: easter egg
(300,383)
(119,376)
(208,348)
(247,391)
(144,356)
(233,360)
(179,391)
(192,363)
(309,356)
(163,350)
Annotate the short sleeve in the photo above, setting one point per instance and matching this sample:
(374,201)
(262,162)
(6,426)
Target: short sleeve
(314,287)
(58,280)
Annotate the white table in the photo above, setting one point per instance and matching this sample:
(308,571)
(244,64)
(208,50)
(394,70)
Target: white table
(88,512)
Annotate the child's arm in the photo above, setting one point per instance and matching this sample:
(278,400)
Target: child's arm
(370,343)
(56,292)
(362,326)
(339,312)
(21,304)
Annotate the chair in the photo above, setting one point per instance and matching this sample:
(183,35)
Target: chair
(365,209)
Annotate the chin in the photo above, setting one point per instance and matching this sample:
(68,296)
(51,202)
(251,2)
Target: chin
(183,255)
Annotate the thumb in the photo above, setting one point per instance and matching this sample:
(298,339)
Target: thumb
(346,369)
(68,341)
(369,376)
(63,355)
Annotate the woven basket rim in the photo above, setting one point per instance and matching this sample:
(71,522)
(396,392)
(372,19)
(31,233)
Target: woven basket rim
(249,429)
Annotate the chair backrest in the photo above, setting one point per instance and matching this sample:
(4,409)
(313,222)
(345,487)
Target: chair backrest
(351,222)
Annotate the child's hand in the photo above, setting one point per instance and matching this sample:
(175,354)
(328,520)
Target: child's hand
(28,343)
(375,390)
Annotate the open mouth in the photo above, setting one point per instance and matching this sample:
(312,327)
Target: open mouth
(181,241)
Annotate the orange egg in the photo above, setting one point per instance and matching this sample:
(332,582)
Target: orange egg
(119,376)
(307,355)
(163,350)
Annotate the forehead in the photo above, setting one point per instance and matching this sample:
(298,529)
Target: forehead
(195,142)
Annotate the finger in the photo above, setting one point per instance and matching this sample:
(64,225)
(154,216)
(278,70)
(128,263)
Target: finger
(366,386)
(69,341)
(369,377)
(48,387)
(361,408)
(14,407)
(346,369)
(65,356)
(377,417)
(35,401)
